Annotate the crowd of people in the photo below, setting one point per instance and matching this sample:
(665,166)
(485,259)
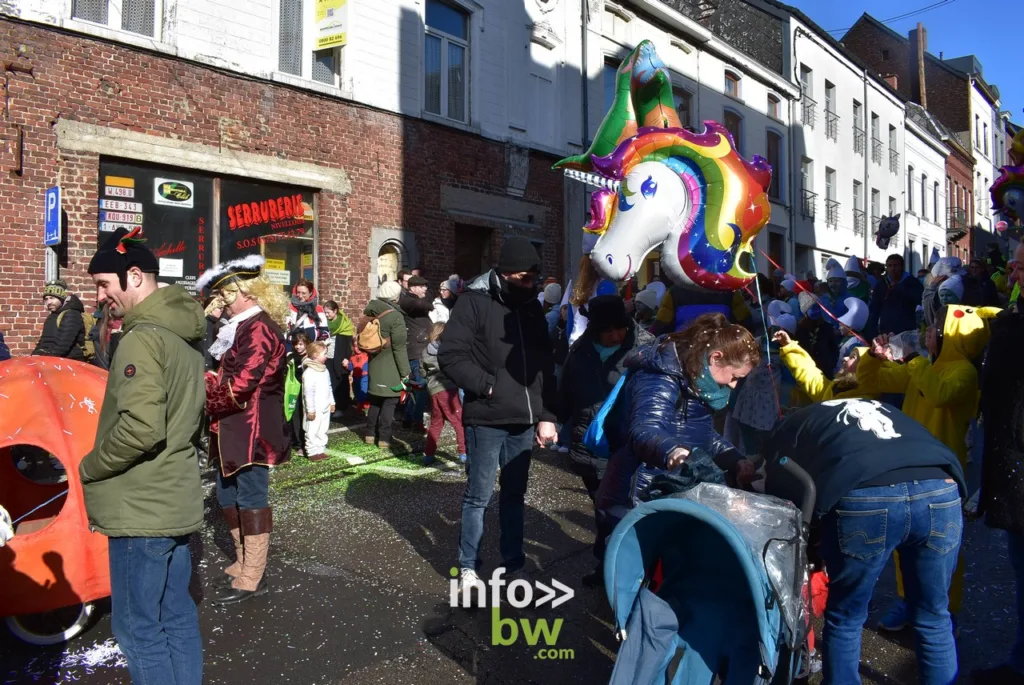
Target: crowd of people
(686,387)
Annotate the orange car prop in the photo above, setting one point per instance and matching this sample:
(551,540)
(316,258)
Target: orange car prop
(50,405)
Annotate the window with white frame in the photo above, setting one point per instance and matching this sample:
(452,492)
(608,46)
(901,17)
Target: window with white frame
(610,81)
(774,107)
(135,16)
(296,49)
(446,61)
(935,202)
(892,206)
(910,189)
(924,196)
(684,106)
(984,139)
(732,84)
(773,153)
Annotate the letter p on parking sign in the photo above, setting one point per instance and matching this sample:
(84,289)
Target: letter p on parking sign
(51,217)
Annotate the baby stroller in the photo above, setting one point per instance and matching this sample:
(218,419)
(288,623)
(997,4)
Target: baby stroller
(710,586)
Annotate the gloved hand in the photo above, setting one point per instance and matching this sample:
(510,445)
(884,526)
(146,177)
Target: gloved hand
(6,527)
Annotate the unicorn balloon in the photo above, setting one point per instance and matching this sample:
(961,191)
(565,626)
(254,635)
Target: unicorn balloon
(689,195)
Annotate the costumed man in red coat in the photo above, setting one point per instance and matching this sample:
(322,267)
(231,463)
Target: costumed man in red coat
(245,402)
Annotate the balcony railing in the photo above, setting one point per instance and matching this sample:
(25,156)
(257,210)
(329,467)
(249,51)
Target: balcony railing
(831,125)
(859,217)
(832,213)
(956,223)
(809,113)
(859,140)
(874,222)
(808,203)
(876,150)
(894,161)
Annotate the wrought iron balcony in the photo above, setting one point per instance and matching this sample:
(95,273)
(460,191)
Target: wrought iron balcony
(859,140)
(859,217)
(831,125)
(807,205)
(894,161)
(832,213)
(809,112)
(956,223)
(876,150)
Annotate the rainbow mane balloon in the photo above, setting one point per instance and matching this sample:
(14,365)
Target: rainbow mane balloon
(688,194)
(1008,192)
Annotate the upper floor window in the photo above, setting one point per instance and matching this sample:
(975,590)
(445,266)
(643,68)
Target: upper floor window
(774,107)
(611,73)
(445,61)
(773,152)
(910,189)
(830,97)
(732,84)
(977,132)
(134,16)
(297,50)
(984,138)
(684,106)
(806,81)
(734,124)
(924,196)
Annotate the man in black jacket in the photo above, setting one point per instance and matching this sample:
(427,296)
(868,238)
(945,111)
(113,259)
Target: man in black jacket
(416,304)
(64,329)
(496,348)
(883,483)
(1002,478)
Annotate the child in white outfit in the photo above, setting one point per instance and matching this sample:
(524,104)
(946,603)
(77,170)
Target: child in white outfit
(318,400)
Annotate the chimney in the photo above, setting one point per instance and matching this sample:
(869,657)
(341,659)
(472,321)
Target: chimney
(892,80)
(918,46)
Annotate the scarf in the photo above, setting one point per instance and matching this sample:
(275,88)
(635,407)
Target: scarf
(715,395)
(342,325)
(306,308)
(313,364)
(605,352)
(226,334)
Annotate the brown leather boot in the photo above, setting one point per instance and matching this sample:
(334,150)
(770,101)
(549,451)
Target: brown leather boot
(256,527)
(234,527)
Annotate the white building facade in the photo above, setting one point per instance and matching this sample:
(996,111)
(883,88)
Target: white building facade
(923,222)
(987,140)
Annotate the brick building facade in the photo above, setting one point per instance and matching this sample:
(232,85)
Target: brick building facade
(80,108)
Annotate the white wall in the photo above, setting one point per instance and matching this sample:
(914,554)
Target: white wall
(840,154)
(921,228)
(985,170)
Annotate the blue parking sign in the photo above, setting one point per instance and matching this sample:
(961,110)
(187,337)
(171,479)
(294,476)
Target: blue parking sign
(51,220)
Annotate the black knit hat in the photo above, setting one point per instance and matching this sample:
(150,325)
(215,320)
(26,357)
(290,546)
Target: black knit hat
(122,251)
(518,255)
(605,312)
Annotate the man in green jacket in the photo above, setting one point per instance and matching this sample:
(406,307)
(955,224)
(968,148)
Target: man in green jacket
(141,480)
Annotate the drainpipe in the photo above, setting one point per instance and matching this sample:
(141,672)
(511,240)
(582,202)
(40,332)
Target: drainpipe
(867,166)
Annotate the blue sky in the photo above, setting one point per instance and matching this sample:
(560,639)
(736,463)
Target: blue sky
(984,28)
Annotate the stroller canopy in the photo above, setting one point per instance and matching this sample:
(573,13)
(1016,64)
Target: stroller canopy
(714,612)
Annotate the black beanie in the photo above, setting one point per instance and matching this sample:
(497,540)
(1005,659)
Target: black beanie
(518,255)
(605,312)
(122,251)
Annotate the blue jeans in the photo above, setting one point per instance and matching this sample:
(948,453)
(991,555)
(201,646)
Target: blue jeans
(153,616)
(490,448)
(417,402)
(247,489)
(1015,544)
(923,520)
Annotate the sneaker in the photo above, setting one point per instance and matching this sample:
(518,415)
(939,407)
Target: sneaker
(563,450)
(428,459)
(463,458)
(369,439)
(470,581)
(1000,675)
(896,619)
(318,457)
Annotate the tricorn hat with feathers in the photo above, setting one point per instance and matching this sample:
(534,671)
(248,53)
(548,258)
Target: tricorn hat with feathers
(241,269)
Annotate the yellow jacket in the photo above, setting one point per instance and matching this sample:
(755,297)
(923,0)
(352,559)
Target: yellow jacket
(941,395)
(812,381)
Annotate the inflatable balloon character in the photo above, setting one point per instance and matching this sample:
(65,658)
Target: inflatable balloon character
(1008,192)
(661,187)
(888,227)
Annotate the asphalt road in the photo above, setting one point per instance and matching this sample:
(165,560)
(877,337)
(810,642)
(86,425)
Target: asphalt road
(359,574)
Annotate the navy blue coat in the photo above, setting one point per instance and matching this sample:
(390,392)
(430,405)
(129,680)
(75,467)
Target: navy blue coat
(893,308)
(663,413)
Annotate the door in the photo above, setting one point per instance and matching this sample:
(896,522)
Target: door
(472,250)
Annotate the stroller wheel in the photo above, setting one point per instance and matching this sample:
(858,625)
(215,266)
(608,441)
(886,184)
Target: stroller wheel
(51,627)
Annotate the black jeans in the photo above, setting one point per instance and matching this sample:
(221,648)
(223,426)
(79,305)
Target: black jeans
(380,417)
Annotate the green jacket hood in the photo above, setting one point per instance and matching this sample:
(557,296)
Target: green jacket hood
(171,308)
(378,307)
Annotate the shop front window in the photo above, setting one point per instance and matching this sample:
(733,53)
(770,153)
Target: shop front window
(272,220)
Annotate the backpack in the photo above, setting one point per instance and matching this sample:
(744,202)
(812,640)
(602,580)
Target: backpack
(370,339)
(89,347)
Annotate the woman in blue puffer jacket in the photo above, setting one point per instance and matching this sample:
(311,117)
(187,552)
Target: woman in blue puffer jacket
(675,388)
